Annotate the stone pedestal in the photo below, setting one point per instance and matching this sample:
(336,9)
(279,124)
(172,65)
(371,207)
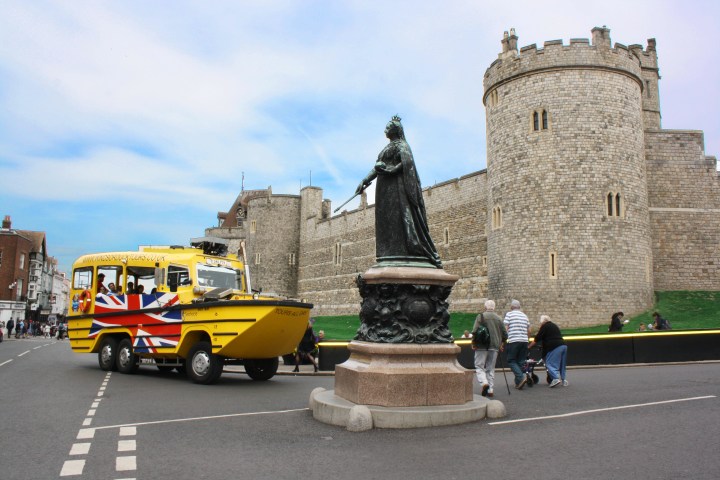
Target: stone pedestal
(403,375)
(403,370)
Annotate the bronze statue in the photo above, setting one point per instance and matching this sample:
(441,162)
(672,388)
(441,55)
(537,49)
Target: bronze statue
(401,228)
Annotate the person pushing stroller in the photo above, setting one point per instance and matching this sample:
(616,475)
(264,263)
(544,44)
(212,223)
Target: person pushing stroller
(554,351)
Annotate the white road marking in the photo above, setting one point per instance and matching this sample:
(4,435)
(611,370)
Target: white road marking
(23,353)
(95,405)
(86,433)
(37,347)
(91,412)
(80,449)
(192,419)
(597,410)
(87,422)
(123,464)
(127,446)
(127,431)
(72,467)
(6,362)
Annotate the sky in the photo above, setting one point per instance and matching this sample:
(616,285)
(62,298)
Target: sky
(126,123)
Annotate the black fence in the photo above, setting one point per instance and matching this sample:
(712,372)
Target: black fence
(600,349)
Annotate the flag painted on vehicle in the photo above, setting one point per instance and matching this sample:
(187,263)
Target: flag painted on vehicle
(149,327)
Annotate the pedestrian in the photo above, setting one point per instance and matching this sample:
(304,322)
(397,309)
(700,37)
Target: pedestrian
(485,358)
(306,347)
(19,328)
(659,323)
(554,351)
(10,326)
(518,331)
(616,322)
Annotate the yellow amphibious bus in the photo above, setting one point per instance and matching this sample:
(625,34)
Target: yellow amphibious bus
(184,308)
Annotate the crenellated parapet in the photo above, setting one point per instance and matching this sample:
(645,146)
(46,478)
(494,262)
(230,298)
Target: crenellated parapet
(580,53)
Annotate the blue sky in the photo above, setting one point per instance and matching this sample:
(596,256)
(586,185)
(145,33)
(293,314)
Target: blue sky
(130,122)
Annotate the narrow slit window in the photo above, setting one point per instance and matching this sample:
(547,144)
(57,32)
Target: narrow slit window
(553,265)
(618,208)
(610,204)
(446,236)
(536,121)
(544,120)
(337,254)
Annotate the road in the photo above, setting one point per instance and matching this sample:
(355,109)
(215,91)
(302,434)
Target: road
(62,417)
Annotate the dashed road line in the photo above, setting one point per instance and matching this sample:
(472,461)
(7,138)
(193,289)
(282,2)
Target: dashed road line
(72,468)
(598,410)
(6,362)
(75,467)
(80,448)
(23,353)
(124,464)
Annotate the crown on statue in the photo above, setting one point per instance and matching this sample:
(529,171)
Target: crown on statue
(396,118)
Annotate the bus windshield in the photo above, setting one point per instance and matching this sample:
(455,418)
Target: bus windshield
(217,276)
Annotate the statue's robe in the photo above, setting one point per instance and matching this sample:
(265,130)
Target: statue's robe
(401,228)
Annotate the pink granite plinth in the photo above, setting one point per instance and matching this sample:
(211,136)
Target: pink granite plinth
(403,375)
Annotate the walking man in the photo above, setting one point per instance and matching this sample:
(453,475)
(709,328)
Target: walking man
(485,358)
(518,331)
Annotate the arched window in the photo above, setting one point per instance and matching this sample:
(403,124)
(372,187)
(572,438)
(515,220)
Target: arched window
(536,121)
(614,205)
(496,218)
(544,120)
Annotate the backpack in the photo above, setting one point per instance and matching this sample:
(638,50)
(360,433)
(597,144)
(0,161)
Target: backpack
(481,336)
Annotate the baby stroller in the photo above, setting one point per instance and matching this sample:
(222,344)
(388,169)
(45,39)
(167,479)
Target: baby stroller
(528,369)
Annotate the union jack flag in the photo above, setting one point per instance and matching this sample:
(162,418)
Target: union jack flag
(149,329)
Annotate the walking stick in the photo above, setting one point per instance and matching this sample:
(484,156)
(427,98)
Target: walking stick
(503,369)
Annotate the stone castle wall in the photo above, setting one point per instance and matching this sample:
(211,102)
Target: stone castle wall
(684,191)
(273,225)
(456,217)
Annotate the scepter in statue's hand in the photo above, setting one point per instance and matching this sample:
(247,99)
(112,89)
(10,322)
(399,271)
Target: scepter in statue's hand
(361,188)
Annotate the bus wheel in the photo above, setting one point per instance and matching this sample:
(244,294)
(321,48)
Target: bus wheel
(202,365)
(127,362)
(262,368)
(107,354)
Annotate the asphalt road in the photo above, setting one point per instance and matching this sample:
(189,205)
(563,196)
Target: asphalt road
(637,422)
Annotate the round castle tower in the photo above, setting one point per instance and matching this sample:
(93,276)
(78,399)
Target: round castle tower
(568,219)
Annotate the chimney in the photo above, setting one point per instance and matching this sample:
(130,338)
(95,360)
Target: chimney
(6,223)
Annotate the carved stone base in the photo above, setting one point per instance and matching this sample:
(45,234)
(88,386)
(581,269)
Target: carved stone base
(403,375)
(405,305)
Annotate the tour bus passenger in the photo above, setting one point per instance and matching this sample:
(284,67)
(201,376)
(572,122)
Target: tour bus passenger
(131,287)
(140,289)
(100,284)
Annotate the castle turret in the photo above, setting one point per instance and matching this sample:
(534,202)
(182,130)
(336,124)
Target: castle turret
(568,220)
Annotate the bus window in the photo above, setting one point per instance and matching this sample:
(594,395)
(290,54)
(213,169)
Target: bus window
(112,277)
(82,278)
(178,276)
(217,276)
(140,280)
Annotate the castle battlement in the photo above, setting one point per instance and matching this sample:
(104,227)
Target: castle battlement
(580,53)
